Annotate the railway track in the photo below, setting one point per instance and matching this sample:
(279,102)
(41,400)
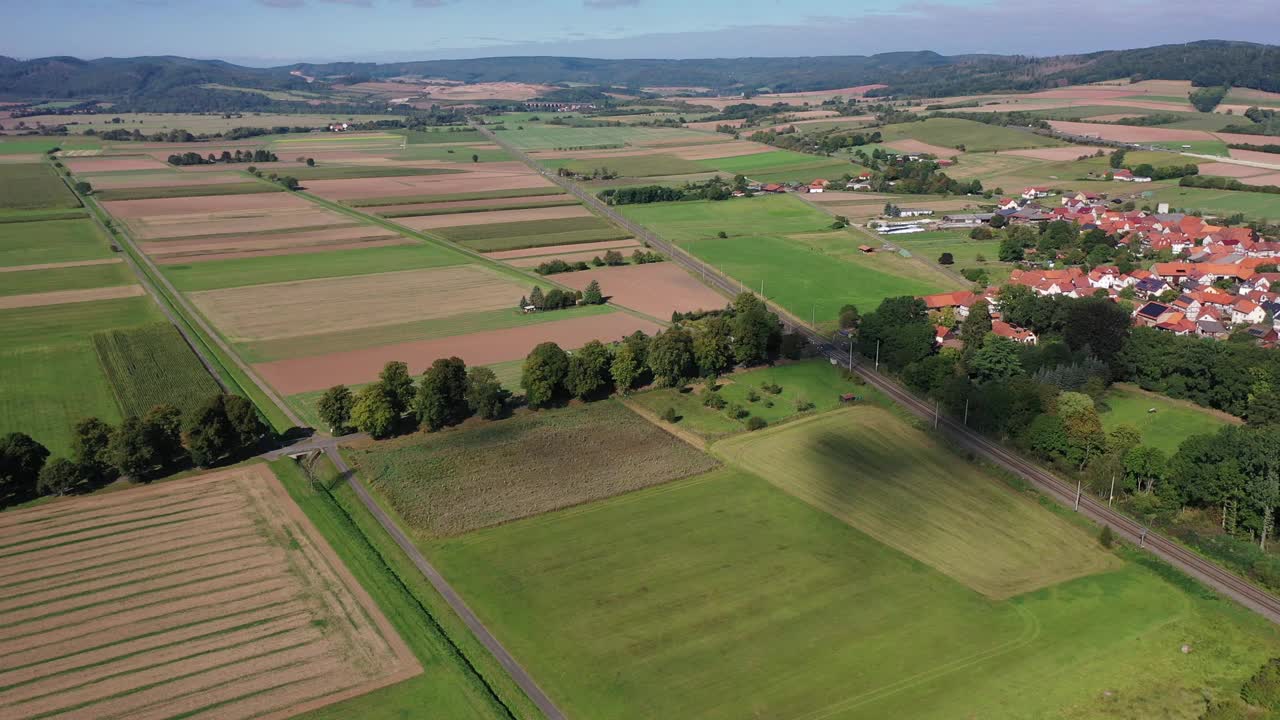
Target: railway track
(1206,571)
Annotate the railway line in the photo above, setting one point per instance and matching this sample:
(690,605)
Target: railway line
(1203,570)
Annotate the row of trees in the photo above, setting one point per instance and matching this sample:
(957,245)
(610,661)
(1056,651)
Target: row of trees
(1226,183)
(612,258)
(556,299)
(193,158)
(446,394)
(715,188)
(223,427)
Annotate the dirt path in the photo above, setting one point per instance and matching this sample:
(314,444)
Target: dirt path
(679,432)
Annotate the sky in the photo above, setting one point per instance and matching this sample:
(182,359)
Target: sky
(279,32)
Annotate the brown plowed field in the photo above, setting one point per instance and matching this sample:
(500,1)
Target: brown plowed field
(915,146)
(275,310)
(176,227)
(53,266)
(426,184)
(277,241)
(1232,170)
(465,204)
(63,297)
(1257,156)
(429,222)
(305,250)
(171,179)
(1125,133)
(1055,154)
(1271,179)
(113,164)
(552,250)
(482,348)
(213,204)
(241,612)
(720,150)
(655,289)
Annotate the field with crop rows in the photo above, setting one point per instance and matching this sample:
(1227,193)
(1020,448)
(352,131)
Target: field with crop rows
(152,365)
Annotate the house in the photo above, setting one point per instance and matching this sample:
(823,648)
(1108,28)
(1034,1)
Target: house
(819,185)
(773,188)
(967,219)
(1152,313)
(1210,328)
(913,212)
(1008,204)
(943,334)
(860,185)
(1244,311)
(1014,333)
(866,249)
(1034,193)
(1126,175)
(339,127)
(960,301)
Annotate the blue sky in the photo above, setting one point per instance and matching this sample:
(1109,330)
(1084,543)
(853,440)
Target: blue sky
(267,32)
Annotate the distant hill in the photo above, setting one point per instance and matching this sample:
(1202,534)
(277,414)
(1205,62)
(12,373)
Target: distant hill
(174,82)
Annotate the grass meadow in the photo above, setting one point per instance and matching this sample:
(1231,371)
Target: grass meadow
(152,365)
(52,241)
(636,166)
(781,166)
(33,186)
(52,377)
(536,136)
(975,136)
(1254,205)
(1172,422)
(450,482)
(966,251)
(83,277)
(237,272)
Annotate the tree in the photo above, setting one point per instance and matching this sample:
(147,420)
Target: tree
(625,368)
(592,295)
(1144,466)
(244,420)
(208,433)
(946,259)
(589,370)
(1011,249)
(1083,426)
(712,346)
(849,317)
(58,477)
(475,158)
(1098,324)
(976,328)
(1046,436)
(335,408)
(21,459)
(163,424)
(83,188)
(536,298)
(996,360)
(671,356)
(90,438)
(485,395)
(374,411)
(397,382)
(311,162)
(755,330)
(131,449)
(1264,409)
(545,371)
(442,394)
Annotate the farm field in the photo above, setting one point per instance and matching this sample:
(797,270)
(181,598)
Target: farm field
(974,136)
(655,289)
(631,166)
(235,608)
(150,123)
(701,219)
(1261,206)
(530,234)
(152,365)
(966,251)
(33,186)
(455,197)
(781,166)
(537,136)
(353,172)
(814,381)
(51,241)
(79,277)
(450,482)
(1172,422)
(804,617)
(181,191)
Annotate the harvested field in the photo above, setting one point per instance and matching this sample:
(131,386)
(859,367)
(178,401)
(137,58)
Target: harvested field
(655,289)
(264,242)
(430,222)
(62,297)
(554,250)
(251,187)
(1125,133)
(1271,179)
(224,215)
(113,164)
(713,124)
(449,483)
(1256,156)
(1221,169)
(426,185)
(60,265)
(719,150)
(915,146)
(303,250)
(511,193)
(483,348)
(262,312)
(212,596)
(527,234)
(1060,154)
(169,179)
(130,209)
(439,208)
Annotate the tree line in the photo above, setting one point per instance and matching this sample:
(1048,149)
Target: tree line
(193,158)
(612,258)
(715,188)
(223,428)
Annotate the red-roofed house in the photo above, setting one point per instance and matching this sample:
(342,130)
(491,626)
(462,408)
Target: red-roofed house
(1016,334)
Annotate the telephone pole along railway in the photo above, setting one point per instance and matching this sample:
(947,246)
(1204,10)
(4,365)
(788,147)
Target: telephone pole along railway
(1209,573)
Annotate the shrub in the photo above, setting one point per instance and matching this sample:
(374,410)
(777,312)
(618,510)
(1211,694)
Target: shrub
(803,405)
(722,234)
(755,422)
(1229,709)
(772,388)
(946,259)
(1263,689)
(670,415)
(737,412)
(752,395)
(1107,537)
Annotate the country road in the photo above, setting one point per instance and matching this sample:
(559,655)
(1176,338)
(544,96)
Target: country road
(1207,572)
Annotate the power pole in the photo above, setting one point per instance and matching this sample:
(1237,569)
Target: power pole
(966,412)
(1078,485)
(1111,498)
(877,356)
(937,406)
(1142,541)
(850,353)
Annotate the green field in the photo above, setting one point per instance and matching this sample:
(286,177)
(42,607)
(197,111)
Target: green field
(1172,422)
(377,335)
(452,660)
(196,123)
(22,282)
(531,233)
(448,153)
(930,246)
(1258,206)
(490,473)
(814,381)
(702,219)
(179,191)
(782,166)
(216,274)
(637,166)
(346,172)
(33,186)
(975,136)
(451,135)
(152,365)
(425,209)
(51,377)
(52,241)
(449,197)
(27,146)
(1200,147)
(723,597)
(536,136)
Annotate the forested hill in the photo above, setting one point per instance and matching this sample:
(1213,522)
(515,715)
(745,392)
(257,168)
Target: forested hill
(174,80)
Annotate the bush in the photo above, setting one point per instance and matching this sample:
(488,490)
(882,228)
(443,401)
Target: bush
(946,259)
(713,401)
(753,396)
(1263,689)
(1229,709)
(737,412)
(1107,537)
(722,234)
(755,422)
(803,405)
(771,388)
(670,415)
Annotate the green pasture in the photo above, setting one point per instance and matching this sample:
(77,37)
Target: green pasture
(435,137)
(488,473)
(446,153)
(531,233)
(379,335)
(51,376)
(975,136)
(1254,205)
(782,166)
(1172,422)
(1200,147)
(929,246)
(634,166)
(537,136)
(683,222)
(813,381)
(84,277)
(721,596)
(216,274)
(51,241)
(33,186)
(29,145)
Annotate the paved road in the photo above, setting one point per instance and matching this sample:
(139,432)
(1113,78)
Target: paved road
(1209,573)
